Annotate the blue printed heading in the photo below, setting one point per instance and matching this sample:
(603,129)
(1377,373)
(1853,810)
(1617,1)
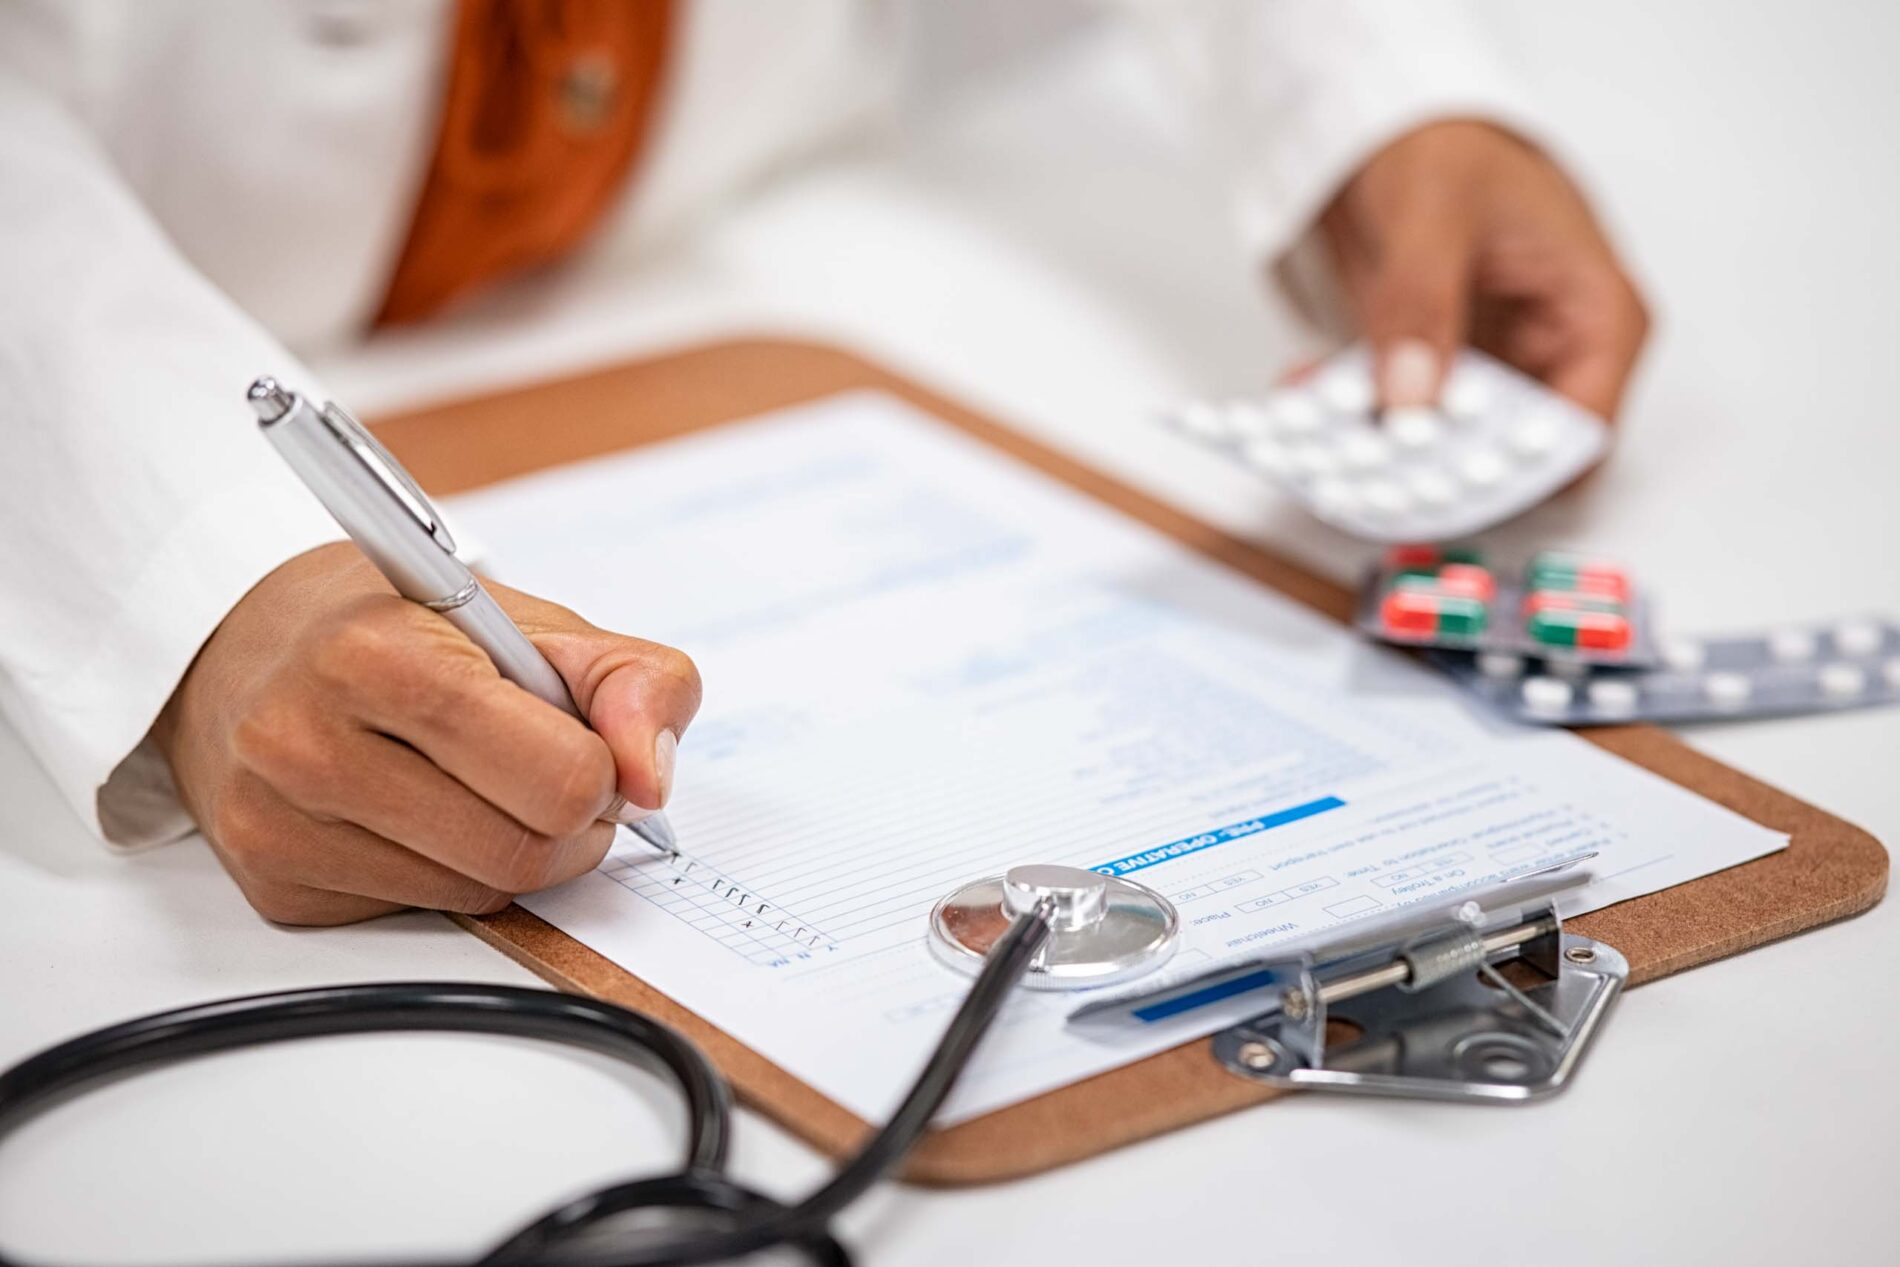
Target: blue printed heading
(1217,836)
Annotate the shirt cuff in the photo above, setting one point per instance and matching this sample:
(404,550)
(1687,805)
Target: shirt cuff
(104,760)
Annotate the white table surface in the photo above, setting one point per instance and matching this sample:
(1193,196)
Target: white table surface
(1052,258)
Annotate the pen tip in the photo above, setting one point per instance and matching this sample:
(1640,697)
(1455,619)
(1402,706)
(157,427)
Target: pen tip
(656,831)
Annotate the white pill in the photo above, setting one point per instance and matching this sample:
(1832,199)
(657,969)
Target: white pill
(1481,467)
(1348,391)
(1613,696)
(1891,671)
(1266,456)
(1335,497)
(1842,681)
(1500,664)
(1413,427)
(1546,694)
(1683,655)
(1467,395)
(1203,420)
(1385,497)
(1432,487)
(1727,690)
(1314,460)
(1533,437)
(1296,413)
(1574,670)
(1858,637)
(1789,645)
(1248,420)
(1364,451)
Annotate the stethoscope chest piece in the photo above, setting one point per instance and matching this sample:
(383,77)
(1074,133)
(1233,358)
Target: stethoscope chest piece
(1102,929)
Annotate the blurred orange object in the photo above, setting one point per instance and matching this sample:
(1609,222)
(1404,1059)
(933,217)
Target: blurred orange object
(547,107)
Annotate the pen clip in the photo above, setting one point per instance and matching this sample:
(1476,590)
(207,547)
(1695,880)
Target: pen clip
(382,464)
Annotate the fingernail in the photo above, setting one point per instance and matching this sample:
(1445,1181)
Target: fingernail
(666,750)
(1408,374)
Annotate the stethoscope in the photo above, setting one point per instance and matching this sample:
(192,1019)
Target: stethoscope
(1042,927)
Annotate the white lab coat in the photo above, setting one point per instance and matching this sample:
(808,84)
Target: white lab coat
(188,185)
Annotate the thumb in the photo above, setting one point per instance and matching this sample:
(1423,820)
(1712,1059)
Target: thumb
(637,695)
(1414,312)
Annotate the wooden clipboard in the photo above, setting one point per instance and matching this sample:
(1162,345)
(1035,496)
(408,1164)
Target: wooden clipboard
(1830,870)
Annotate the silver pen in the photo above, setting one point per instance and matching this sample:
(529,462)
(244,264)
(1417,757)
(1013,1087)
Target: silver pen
(377,503)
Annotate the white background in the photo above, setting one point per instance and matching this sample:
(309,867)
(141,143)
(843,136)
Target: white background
(1052,256)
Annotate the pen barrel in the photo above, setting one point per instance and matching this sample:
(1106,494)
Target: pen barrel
(380,525)
(488,627)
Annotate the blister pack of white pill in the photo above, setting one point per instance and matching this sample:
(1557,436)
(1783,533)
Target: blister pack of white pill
(1498,444)
(1799,669)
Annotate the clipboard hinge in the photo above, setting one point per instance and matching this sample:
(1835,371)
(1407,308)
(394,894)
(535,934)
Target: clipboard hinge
(1453,1013)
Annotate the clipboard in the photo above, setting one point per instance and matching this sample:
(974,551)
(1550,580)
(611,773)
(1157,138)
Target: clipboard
(1831,869)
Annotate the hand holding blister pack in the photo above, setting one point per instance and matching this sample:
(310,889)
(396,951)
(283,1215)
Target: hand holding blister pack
(1497,444)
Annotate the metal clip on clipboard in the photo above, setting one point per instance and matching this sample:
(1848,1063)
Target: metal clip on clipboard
(1425,994)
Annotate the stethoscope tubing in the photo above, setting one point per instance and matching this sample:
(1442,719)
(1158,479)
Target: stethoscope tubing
(422,1006)
(557,1237)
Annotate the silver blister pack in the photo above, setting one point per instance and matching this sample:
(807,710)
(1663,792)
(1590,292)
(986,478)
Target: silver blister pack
(1849,663)
(1498,443)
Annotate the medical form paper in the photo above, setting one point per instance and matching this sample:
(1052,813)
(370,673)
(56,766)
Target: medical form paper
(926,662)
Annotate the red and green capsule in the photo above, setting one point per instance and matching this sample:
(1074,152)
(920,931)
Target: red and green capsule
(1576,573)
(1582,620)
(1423,614)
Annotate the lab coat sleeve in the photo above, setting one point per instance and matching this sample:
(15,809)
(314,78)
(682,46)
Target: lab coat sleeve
(138,503)
(1300,93)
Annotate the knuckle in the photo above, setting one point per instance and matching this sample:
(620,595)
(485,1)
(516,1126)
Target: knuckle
(594,842)
(582,789)
(254,739)
(676,669)
(1642,319)
(243,824)
(299,759)
(438,696)
(525,863)
(283,903)
(370,640)
(547,612)
(476,898)
(351,645)
(274,739)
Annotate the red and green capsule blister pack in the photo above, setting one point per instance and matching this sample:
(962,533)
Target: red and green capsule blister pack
(1561,605)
